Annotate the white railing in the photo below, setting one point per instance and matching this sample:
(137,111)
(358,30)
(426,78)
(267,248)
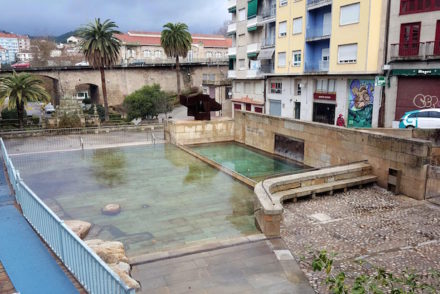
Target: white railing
(93,274)
(232,74)
(232,28)
(253,22)
(253,48)
(312,4)
(232,4)
(232,51)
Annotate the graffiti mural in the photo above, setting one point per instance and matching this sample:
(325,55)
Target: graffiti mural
(360,103)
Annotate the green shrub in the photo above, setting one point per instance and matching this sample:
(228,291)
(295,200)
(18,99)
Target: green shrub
(100,109)
(87,101)
(69,121)
(148,101)
(11,113)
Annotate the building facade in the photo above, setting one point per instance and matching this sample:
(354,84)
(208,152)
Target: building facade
(328,54)
(413,58)
(24,43)
(251,56)
(145,47)
(9,42)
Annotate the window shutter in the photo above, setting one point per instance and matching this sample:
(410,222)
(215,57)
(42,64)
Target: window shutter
(252,8)
(297,25)
(283,28)
(349,14)
(347,53)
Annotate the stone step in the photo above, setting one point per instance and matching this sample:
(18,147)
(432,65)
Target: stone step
(325,187)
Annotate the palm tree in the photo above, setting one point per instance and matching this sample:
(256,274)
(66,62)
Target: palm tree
(101,49)
(176,41)
(21,89)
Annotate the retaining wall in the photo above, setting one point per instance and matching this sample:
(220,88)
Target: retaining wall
(185,132)
(326,145)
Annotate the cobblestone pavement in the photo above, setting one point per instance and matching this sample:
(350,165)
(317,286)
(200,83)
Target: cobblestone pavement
(385,231)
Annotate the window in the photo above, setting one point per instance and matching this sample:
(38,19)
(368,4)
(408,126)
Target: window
(276,88)
(331,87)
(297,110)
(281,59)
(209,54)
(242,64)
(415,6)
(435,114)
(283,29)
(242,14)
(297,25)
(347,53)
(296,58)
(321,85)
(437,39)
(298,88)
(158,54)
(147,53)
(349,14)
(283,2)
(409,39)
(218,55)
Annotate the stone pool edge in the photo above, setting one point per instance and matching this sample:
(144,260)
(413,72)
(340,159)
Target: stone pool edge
(250,183)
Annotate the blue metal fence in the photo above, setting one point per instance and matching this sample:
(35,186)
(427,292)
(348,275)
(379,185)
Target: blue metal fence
(94,274)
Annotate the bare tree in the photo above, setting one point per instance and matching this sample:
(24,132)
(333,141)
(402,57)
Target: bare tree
(41,49)
(223,30)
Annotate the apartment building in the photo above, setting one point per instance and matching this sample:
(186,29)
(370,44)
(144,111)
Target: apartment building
(328,54)
(9,42)
(145,47)
(413,58)
(24,43)
(251,56)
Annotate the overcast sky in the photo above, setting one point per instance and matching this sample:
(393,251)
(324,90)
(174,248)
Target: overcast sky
(55,17)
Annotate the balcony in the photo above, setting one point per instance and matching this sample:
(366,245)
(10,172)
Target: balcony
(253,48)
(321,66)
(254,23)
(415,51)
(253,73)
(232,28)
(316,34)
(314,4)
(232,51)
(232,74)
(232,6)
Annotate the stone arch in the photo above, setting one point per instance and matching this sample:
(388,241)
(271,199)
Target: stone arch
(52,86)
(92,91)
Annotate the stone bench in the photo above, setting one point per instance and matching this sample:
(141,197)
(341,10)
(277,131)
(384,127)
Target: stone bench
(271,193)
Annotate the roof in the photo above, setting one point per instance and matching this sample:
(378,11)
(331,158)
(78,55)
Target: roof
(12,36)
(153,38)
(247,100)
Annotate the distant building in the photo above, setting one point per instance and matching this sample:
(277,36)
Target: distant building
(2,55)
(73,40)
(24,43)
(145,47)
(413,58)
(10,43)
(24,56)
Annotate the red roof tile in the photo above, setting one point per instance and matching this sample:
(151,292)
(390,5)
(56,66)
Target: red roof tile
(3,35)
(153,38)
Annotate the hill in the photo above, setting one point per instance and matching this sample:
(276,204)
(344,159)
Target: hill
(63,38)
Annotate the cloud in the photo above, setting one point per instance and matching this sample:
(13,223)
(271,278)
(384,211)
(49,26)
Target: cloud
(54,17)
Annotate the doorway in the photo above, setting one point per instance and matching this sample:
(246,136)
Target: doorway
(324,113)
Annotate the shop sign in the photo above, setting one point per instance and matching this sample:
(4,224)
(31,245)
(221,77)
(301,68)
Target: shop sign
(380,81)
(324,96)
(416,72)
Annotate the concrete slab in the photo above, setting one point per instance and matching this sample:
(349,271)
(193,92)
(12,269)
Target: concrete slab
(245,268)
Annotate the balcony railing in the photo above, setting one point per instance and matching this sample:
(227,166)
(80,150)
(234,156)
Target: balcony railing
(321,66)
(254,22)
(253,48)
(313,4)
(232,74)
(432,49)
(232,4)
(313,34)
(232,28)
(232,51)
(415,51)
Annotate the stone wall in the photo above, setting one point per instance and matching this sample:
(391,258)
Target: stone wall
(326,145)
(186,132)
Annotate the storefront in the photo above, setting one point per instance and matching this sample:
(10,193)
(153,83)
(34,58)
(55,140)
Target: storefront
(248,104)
(417,92)
(324,108)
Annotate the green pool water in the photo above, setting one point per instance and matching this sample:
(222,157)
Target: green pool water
(169,198)
(249,162)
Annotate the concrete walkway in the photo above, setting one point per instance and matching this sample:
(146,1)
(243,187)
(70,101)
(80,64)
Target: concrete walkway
(256,267)
(28,263)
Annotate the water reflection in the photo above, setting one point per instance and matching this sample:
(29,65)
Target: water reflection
(108,166)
